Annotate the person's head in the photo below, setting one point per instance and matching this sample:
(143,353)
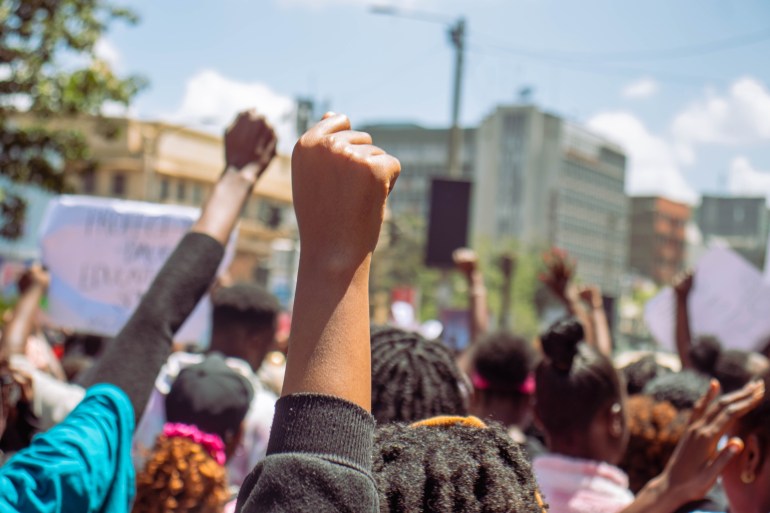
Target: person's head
(640,372)
(452,465)
(244,322)
(413,378)
(655,428)
(579,397)
(733,368)
(681,389)
(185,472)
(503,379)
(746,476)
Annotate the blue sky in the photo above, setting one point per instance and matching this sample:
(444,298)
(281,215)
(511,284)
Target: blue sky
(682,85)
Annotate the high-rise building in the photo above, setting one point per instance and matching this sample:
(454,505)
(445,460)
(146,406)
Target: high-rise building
(543,181)
(423,153)
(742,222)
(657,237)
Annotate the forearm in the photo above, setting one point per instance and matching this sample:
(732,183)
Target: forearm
(683,335)
(223,207)
(577,310)
(18,330)
(602,329)
(329,350)
(477,301)
(655,498)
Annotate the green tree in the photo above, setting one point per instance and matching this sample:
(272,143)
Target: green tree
(49,70)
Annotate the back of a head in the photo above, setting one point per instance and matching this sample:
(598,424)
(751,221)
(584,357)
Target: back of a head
(705,353)
(242,309)
(452,468)
(413,378)
(204,408)
(503,363)
(639,373)
(733,368)
(655,428)
(573,382)
(681,389)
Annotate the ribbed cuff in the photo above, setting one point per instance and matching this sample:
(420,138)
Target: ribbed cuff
(324,426)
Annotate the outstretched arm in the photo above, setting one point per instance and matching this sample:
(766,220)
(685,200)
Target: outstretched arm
(682,287)
(592,296)
(134,358)
(467,262)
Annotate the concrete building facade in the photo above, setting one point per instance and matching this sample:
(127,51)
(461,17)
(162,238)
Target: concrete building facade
(542,181)
(657,241)
(423,153)
(741,222)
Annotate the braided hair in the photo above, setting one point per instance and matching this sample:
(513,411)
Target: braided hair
(413,378)
(452,468)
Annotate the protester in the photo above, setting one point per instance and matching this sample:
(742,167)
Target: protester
(83,464)
(452,464)
(504,386)
(732,368)
(244,320)
(413,378)
(580,405)
(639,373)
(205,409)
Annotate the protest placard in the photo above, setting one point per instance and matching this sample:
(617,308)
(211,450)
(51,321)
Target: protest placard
(103,254)
(729,300)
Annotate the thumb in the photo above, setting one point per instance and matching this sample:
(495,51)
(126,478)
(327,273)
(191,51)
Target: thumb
(733,448)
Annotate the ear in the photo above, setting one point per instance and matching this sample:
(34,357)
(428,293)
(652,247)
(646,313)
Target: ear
(751,459)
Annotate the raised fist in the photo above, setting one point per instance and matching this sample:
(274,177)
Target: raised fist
(250,140)
(340,182)
(35,275)
(683,283)
(465,260)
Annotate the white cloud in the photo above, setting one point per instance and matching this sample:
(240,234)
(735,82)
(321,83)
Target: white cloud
(106,51)
(653,164)
(745,180)
(642,88)
(211,101)
(739,117)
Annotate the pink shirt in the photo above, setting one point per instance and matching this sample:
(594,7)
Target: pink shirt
(571,485)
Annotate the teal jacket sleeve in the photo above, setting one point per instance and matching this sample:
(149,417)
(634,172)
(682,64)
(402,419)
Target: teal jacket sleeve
(82,465)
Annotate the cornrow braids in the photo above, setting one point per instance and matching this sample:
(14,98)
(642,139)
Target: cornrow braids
(452,468)
(181,477)
(413,378)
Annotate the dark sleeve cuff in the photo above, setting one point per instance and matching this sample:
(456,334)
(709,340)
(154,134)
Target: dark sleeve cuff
(325,426)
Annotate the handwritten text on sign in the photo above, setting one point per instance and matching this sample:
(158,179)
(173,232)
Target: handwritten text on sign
(729,300)
(103,255)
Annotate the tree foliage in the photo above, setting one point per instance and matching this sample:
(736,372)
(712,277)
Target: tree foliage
(49,70)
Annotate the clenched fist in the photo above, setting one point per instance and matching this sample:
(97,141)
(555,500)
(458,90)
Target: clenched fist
(250,140)
(340,183)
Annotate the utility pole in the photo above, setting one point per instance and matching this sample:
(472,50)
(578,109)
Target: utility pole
(457,37)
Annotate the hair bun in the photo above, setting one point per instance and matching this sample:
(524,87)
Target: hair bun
(560,343)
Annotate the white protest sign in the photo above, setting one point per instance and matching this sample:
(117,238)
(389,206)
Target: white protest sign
(103,254)
(729,300)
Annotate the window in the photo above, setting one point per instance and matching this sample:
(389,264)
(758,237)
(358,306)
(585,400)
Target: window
(88,179)
(118,184)
(164,189)
(181,190)
(197,194)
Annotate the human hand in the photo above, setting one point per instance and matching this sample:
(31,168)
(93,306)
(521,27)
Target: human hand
(592,295)
(250,140)
(465,260)
(340,182)
(683,283)
(35,275)
(559,270)
(696,463)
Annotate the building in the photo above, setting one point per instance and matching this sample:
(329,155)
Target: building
(657,239)
(158,162)
(741,222)
(423,153)
(542,181)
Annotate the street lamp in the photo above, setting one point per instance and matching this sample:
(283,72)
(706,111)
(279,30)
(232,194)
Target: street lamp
(457,38)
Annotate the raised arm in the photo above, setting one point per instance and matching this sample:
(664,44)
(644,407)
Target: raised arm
(467,263)
(682,288)
(592,296)
(134,358)
(32,287)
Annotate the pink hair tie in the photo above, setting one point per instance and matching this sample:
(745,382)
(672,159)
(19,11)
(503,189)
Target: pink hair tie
(212,443)
(528,387)
(479,382)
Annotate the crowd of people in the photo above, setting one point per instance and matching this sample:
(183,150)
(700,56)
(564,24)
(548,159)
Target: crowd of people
(370,418)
